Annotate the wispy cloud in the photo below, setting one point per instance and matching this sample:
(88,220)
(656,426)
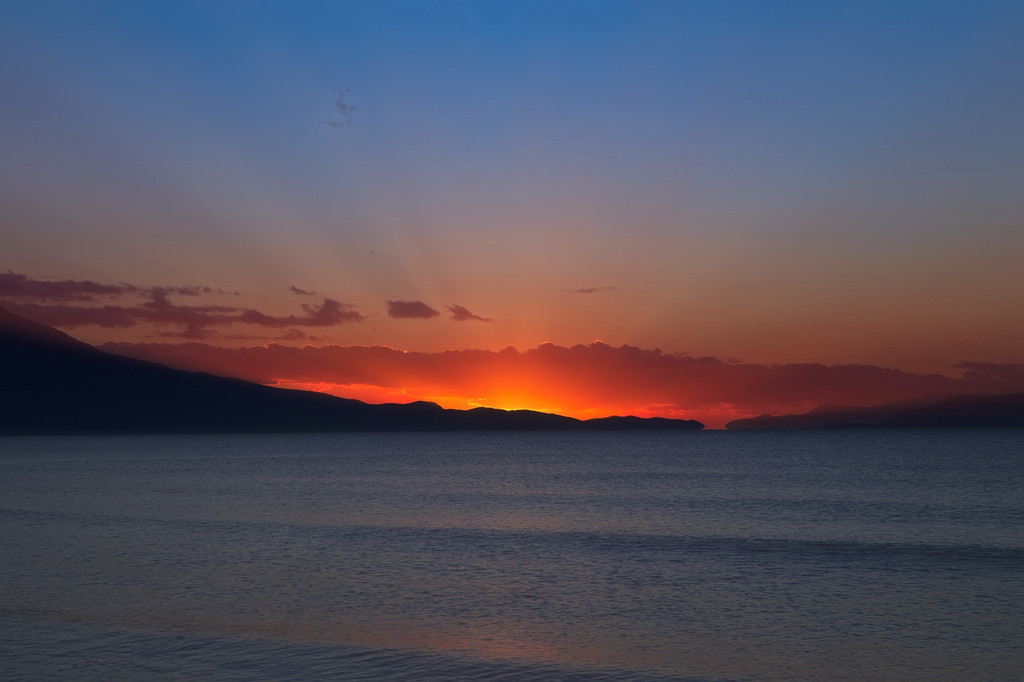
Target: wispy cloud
(70,304)
(461,314)
(70,316)
(21,286)
(589,290)
(328,314)
(345,110)
(994,373)
(288,336)
(411,310)
(967,344)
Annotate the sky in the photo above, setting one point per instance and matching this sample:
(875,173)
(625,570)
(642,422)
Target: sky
(705,209)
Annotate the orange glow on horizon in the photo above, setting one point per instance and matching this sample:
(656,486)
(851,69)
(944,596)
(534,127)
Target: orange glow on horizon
(506,400)
(584,382)
(518,399)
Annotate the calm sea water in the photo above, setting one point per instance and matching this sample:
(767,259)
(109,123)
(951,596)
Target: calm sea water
(853,555)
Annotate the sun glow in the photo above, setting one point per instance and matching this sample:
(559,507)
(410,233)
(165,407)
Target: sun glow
(502,400)
(519,399)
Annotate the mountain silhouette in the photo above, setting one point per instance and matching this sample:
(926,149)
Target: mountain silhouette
(51,383)
(966,411)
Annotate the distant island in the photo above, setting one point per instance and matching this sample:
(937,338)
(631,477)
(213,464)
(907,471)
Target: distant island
(51,383)
(968,411)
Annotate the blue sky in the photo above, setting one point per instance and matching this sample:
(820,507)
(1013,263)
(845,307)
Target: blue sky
(837,182)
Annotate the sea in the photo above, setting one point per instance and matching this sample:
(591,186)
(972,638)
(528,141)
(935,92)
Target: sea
(626,556)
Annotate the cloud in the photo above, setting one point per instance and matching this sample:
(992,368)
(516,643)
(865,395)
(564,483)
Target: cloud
(967,344)
(190,331)
(161,310)
(288,335)
(186,291)
(410,310)
(461,314)
(995,375)
(344,109)
(589,290)
(20,286)
(301,292)
(157,310)
(328,314)
(70,304)
(77,316)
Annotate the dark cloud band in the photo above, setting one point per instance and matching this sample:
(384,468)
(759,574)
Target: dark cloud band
(71,303)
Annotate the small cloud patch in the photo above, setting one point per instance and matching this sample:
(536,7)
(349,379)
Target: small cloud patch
(589,290)
(411,310)
(344,109)
(461,314)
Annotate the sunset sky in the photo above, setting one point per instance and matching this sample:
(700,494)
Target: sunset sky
(707,209)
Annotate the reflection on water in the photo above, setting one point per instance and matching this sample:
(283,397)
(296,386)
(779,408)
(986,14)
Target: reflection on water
(515,556)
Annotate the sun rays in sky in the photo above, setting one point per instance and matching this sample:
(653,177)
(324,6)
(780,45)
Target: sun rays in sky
(740,201)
